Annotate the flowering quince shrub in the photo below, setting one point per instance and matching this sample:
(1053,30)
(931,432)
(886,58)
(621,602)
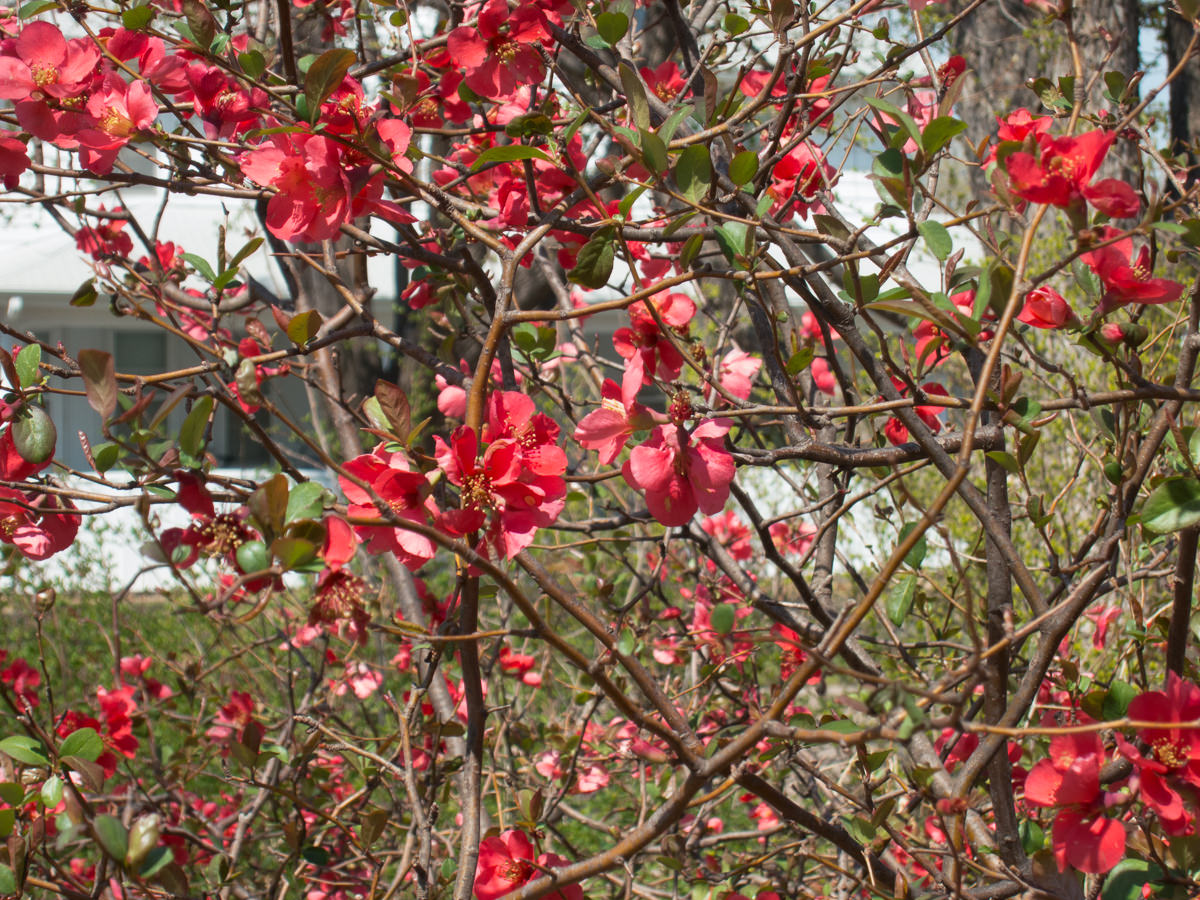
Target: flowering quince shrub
(713,500)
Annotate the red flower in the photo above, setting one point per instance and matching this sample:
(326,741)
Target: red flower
(1174,747)
(1083,836)
(897,432)
(211,533)
(38,525)
(14,159)
(511,415)
(609,427)
(736,372)
(46,64)
(518,499)
(1062,174)
(1046,308)
(320,186)
(119,111)
(1127,280)
(506,862)
(405,492)
(647,350)
(499,54)
(1174,752)
(731,532)
(1016,127)
(22,678)
(680,472)
(666,81)
(108,238)
(797,179)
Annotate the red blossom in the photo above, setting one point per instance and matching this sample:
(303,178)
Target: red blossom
(499,489)
(506,862)
(1125,279)
(798,178)
(390,481)
(1061,175)
(38,525)
(1069,780)
(608,428)
(897,432)
(45,64)
(647,351)
(499,54)
(681,472)
(736,372)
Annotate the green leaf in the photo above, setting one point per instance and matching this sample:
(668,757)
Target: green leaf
(268,504)
(34,7)
(940,132)
(693,172)
(735,24)
(1006,461)
(84,743)
(11,793)
(85,294)
(635,96)
(303,327)
(111,835)
(99,380)
(253,64)
(33,434)
(137,18)
(252,557)
(191,433)
(900,599)
(324,77)
(52,791)
(800,361)
(156,860)
(201,265)
(743,167)
(1116,701)
(654,152)
(937,238)
(8,880)
(24,749)
(8,818)
(1173,505)
(1033,838)
(508,153)
(612,26)
(1128,878)
(691,247)
(732,238)
(242,255)
(27,364)
(722,618)
(626,204)
(782,12)
(594,262)
(667,130)
(907,122)
(294,552)
(318,856)
(916,555)
(306,501)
